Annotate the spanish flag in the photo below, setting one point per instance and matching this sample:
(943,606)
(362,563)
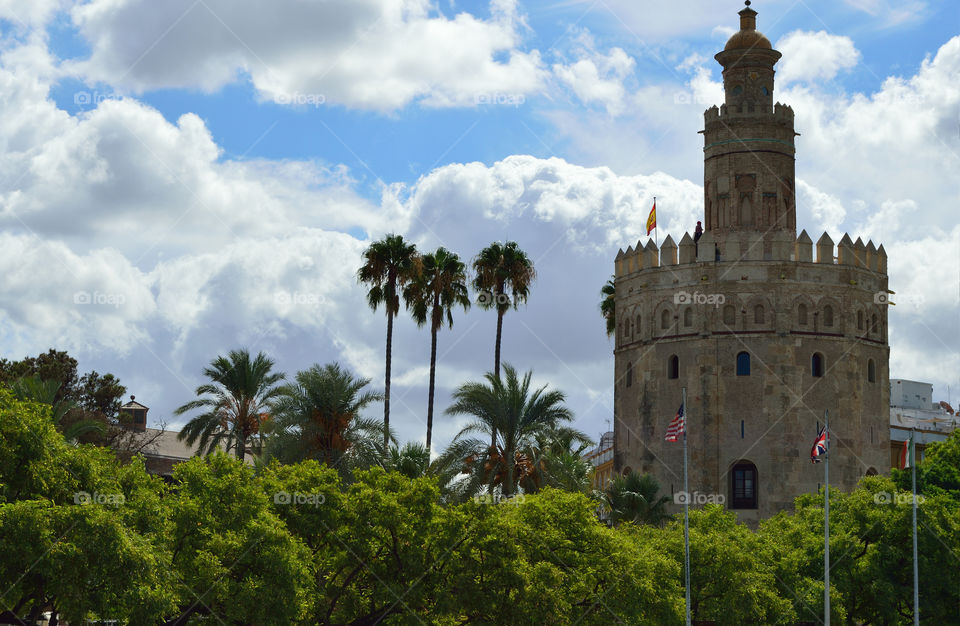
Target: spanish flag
(652,218)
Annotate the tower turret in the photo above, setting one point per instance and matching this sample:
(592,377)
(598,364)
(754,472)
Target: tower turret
(749,143)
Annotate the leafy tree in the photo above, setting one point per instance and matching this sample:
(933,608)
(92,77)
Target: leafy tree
(33,389)
(438,287)
(388,265)
(635,498)
(503,274)
(234,403)
(517,414)
(608,305)
(558,462)
(319,417)
(237,561)
(52,365)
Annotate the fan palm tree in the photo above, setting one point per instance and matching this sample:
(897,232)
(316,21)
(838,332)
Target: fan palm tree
(633,498)
(319,418)
(388,265)
(234,403)
(412,460)
(33,389)
(558,461)
(499,269)
(439,287)
(517,414)
(607,307)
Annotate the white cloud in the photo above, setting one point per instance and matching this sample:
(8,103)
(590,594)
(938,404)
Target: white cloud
(598,78)
(369,54)
(814,56)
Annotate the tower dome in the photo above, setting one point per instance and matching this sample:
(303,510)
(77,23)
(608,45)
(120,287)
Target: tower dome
(748,36)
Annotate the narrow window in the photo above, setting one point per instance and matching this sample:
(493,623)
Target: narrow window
(743,364)
(636,327)
(828,315)
(729,315)
(741,429)
(673,367)
(743,486)
(871,371)
(758,314)
(665,319)
(629,375)
(873,324)
(859,320)
(688,317)
(816,365)
(802,314)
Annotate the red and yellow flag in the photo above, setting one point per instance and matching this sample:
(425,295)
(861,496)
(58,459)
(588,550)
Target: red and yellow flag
(652,218)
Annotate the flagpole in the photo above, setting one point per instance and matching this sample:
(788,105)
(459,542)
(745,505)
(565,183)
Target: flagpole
(826,522)
(656,232)
(686,509)
(916,577)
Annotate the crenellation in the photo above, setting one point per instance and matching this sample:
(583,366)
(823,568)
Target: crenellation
(650,255)
(881,265)
(845,254)
(859,253)
(804,251)
(825,249)
(871,256)
(687,249)
(668,252)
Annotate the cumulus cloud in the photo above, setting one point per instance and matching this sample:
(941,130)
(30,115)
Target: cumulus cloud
(368,54)
(597,77)
(814,56)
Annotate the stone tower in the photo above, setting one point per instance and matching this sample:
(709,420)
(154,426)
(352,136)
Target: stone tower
(764,329)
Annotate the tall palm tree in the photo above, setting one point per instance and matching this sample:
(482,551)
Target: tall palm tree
(503,275)
(412,460)
(439,287)
(388,265)
(558,461)
(607,307)
(518,415)
(319,417)
(235,403)
(633,498)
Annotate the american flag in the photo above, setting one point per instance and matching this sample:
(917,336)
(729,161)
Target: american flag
(819,446)
(676,427)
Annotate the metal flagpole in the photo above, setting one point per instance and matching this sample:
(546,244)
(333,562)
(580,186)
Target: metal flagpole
(656,235)
(826,523)
(686,510)
(916,578)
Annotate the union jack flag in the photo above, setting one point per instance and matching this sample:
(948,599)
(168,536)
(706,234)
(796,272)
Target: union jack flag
(819,446)
(676,427)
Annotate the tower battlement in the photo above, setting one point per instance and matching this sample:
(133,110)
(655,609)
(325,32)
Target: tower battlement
(753,247)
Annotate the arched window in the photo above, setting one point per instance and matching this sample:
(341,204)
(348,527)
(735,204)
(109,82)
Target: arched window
(636,327)
(673,367)
(629,374)
(816,365)
(828,315)
(873,324)
(802,314)
(729,315)
(626,471)
(871,371)
(859,320)
(758,314)
(743,364)
(872,472)
(688,317)
(743,486)
(664,319)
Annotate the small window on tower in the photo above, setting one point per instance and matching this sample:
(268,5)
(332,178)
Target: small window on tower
(688,317)
(765,91)
(802,314)
(665,319)
(673,367)
(737,90)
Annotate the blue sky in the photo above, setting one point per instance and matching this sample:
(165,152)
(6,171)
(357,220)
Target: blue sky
(152,155)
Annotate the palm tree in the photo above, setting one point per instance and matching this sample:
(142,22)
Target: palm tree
(500,268)
(234,403)
(517,414)
(412,460)
(319,418)
(558,461)
(439,286)
(607,307)
(33,389)
(633,498)
(388,265)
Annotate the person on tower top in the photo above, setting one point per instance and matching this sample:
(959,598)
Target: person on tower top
(698,232)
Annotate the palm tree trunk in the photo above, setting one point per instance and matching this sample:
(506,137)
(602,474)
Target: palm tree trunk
(386,385)
(496,366)
(433,376)
(241,449)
